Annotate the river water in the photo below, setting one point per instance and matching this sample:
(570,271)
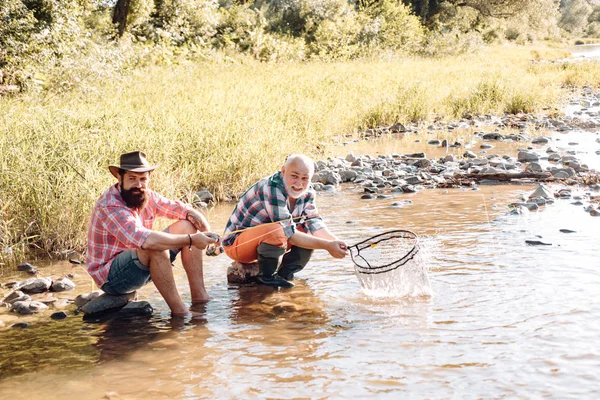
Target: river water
(505,319)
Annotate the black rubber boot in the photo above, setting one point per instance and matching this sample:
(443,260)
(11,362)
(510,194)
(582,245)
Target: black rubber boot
(294,261)
(268,261)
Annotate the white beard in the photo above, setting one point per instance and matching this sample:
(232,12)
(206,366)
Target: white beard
(294,194)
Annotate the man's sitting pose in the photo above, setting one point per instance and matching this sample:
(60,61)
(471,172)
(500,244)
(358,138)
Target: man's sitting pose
(124,253)
(276,222)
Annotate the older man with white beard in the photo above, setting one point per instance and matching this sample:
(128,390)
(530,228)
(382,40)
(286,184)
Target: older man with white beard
(276,223)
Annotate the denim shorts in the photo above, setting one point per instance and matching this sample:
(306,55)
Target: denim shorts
(128,274)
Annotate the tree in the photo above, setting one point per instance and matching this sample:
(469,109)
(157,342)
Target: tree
(574,16)
(120,15)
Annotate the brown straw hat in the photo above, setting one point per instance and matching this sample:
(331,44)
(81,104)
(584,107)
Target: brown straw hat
(134,162)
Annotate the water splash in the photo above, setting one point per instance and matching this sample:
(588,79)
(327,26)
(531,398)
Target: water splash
(408,280)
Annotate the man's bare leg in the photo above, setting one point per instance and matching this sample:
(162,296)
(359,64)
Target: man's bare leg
(161,272)
(192,263)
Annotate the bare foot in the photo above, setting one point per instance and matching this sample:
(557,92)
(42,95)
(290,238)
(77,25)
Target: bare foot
(186,313)
(201,300)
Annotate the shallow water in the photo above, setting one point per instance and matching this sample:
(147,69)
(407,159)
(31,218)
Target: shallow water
(505,319)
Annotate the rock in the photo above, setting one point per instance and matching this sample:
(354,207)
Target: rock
(533,167)
(106,302)
(74,261)
(595,213)
(469,154)
(529,206)
(527,156)
(566,231)
(397,128)
(541,192)
(59,315)
(137,308)
(20,325)
(87,297)
(537,243)
(540,140)
(367,196)
(242,273)
(348,175)
(284,306)
(26,267)
(423,163)
(62,285)
(434,142)
(36,285)
(28,307)
(15,295)
(203,195)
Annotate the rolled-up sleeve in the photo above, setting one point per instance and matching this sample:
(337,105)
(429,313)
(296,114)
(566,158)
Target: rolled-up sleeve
(314,222)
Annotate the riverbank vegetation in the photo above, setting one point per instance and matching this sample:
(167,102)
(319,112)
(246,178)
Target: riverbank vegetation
(221,95)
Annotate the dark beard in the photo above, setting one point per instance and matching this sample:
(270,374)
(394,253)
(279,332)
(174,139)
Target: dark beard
(134,197)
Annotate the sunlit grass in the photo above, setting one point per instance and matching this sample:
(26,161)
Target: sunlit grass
(223,125)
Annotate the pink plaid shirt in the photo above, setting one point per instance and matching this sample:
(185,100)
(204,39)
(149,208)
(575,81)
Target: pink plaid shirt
(114,227)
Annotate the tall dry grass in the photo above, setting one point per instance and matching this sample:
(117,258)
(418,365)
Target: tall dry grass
(223,125)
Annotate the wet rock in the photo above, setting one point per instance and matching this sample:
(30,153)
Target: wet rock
(36,285)
(486,146)
(537,243)
(384,197)
(566,231)
(367,196)
(413,180)
(564,194)
(26,267)
(397,128)
(469,154)
(106,302)
(423,163)
(242,273)
(434,142)
(137,308)
(284,307)
(59,315)
(74,261)
(397,189)
(540,140)
(329,188)
(416,155)
(595,213)
(28,307)
(529,206)
(21,325)
(14,296)
(577,203)
(542,192)
(86,297)
(62,285)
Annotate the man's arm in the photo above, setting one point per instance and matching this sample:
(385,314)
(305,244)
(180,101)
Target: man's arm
(336,248)
(160,241)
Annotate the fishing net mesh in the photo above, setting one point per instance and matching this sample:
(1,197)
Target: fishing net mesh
(384,252)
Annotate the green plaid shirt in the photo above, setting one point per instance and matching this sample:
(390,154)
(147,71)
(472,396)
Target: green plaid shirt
(267,201)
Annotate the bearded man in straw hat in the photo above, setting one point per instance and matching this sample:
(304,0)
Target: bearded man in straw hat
(276,223)
(124,253)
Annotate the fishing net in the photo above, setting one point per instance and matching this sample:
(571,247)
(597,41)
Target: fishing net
(384,252)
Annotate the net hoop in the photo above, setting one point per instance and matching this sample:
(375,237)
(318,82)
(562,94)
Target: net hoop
(363,266)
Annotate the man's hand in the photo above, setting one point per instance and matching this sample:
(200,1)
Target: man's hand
(337,249)
(203,239)
(198,220)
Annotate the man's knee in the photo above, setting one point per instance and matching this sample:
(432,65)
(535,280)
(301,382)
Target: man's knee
(148,256)
(181,227)
(270,251)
